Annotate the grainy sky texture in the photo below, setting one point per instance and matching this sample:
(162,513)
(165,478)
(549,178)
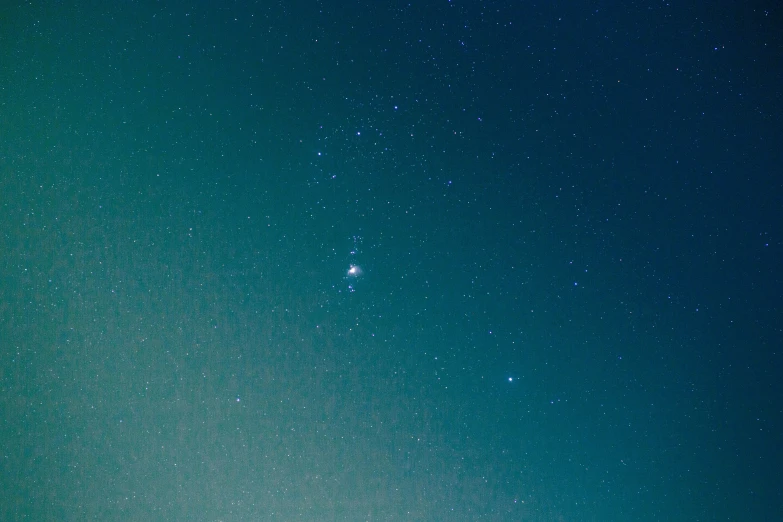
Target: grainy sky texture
(382,261)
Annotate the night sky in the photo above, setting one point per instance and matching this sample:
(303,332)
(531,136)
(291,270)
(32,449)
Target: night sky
(379,261)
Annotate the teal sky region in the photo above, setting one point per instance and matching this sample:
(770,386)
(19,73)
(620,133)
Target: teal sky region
(565,223)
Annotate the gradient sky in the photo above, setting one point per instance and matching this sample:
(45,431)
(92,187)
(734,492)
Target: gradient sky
(566,219)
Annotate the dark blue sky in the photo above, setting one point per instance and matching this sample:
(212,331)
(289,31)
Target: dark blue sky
(566,216)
